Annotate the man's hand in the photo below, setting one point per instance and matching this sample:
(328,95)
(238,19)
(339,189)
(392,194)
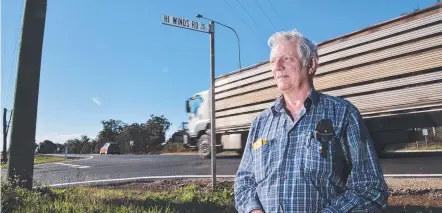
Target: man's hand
(257,211)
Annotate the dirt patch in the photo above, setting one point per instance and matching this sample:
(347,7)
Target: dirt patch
(415,195)
(415,186)
(416,200)
(170,185)
(407,195)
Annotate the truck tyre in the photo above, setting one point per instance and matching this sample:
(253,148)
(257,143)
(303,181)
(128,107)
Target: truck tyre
(204,148)
(240,152)
(379,148)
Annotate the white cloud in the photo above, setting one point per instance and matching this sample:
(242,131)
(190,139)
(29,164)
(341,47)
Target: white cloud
(96,101)
(165,70)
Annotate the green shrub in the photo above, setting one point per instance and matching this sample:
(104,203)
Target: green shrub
(175,147)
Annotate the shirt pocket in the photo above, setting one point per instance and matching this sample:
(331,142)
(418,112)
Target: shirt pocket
(314,163)
(263,160)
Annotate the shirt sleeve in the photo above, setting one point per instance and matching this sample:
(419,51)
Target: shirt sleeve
(366,187)
(246,198)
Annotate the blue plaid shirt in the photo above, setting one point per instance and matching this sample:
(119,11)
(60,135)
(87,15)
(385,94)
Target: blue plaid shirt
(287,173)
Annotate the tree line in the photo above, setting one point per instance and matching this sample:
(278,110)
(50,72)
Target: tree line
(147,137)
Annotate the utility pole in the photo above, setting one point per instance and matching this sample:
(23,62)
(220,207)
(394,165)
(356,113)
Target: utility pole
(21,157)
(6,125)
(5,136)
(212,102)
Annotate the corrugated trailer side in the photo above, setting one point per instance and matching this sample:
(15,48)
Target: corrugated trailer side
(393,67)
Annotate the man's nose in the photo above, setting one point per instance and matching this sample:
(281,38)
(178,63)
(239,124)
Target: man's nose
(279,64)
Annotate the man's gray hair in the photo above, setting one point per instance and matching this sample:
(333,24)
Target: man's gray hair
(306,48)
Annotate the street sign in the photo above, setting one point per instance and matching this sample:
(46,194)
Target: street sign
(131,143)
(425,132)
(185,23)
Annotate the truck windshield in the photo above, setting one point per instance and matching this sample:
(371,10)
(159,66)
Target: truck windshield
(195,104)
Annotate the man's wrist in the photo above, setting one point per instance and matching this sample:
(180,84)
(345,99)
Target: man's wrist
(330,209)
(253,209)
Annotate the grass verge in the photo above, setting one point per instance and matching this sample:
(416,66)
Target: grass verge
(188,198)
(430,147)
(176,148)
(413,146)
(39,159)
(167,196)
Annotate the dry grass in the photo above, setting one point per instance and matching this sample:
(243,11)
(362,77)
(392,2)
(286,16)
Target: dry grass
(162,196)
(176,148)
(39,159)
(172,197)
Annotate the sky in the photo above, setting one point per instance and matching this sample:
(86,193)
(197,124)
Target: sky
(115,59)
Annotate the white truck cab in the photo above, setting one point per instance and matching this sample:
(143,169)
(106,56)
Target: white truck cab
(198,110)
(198,128)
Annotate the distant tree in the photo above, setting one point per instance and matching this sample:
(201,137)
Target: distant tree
(47,147)
(60,148)
(156,128)
(86,145)
(146,136)
(73,146)
(111,129)
(177,136)
(82,145)
(93,146)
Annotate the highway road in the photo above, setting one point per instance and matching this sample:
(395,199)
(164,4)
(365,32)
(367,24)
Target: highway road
(106,167)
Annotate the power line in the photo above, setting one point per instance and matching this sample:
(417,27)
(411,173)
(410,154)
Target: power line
(249,14)
(277,14)
(240,17)
(257,3)
(14,64)
(242,20)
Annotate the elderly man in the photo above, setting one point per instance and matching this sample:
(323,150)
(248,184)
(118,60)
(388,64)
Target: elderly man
(308,152)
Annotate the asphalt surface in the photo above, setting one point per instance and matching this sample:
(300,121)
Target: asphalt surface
(130,166)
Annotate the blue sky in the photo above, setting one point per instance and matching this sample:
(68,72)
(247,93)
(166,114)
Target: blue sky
(108,59)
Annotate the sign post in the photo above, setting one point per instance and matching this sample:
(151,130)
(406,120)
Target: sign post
(425,133)
(201,27)
(65,150)
(131,143)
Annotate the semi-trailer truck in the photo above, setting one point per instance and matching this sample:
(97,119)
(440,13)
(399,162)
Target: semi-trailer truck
(391,71)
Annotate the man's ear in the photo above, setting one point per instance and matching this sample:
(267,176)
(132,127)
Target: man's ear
(313,66)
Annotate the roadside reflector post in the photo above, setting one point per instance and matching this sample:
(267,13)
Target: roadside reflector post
(66,150)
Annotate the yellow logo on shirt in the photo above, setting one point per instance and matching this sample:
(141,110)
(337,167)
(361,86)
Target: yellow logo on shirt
(258,144)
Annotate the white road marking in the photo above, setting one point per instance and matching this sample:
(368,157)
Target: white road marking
(413,175)
(73,165)
(88,158)
(207,176)
(143,178)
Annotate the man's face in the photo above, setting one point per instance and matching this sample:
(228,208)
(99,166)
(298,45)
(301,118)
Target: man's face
(287,68)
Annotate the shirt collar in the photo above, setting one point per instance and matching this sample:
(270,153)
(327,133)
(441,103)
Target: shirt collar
(312,98)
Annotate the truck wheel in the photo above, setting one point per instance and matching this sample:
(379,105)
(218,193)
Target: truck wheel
(204,147)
